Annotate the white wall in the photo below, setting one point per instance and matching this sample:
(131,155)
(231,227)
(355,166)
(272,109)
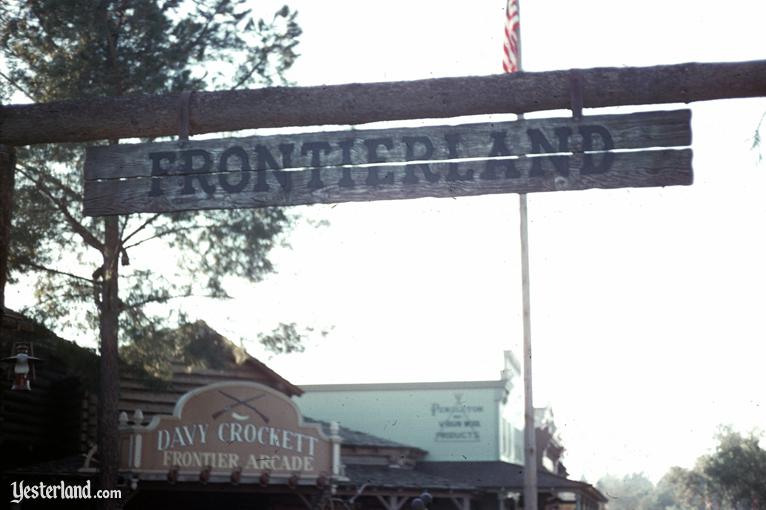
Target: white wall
(452,421)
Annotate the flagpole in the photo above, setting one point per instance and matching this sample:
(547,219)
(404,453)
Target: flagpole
(530,449)
(513,49)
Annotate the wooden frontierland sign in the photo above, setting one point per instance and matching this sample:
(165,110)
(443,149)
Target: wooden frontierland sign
(602,151)
(230,431)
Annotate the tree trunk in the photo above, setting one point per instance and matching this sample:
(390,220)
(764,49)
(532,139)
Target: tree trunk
(7,164)
(108,440)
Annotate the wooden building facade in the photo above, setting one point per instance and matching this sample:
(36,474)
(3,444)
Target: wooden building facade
(48,434)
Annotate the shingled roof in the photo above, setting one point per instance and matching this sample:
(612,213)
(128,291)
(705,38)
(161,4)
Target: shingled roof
(352,437)
(390,477)
(204,356)
(497,474)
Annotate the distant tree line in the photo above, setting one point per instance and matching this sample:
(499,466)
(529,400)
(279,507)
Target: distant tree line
(732,477)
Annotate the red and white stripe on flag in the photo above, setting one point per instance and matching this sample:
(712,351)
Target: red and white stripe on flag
(511,42)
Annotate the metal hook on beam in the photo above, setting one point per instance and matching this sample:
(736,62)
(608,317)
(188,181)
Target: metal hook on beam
(575,93)
(183,116)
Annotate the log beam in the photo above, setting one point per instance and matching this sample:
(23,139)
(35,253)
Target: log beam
(99,118)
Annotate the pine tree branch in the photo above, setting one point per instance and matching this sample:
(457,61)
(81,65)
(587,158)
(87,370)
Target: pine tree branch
(157,299)
(72,194)
(242,81)
(165,233)
(18,87)
(124,224)
(42,20)
(68,191)
(78,227)
(209,21)
(56,271)
(139,229)
(42,303)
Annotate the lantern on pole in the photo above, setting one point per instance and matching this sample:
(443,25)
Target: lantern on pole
(23,360)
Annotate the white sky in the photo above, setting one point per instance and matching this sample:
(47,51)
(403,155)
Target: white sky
(647,305)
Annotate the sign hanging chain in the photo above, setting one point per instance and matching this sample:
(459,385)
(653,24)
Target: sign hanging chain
(183,116)
(575,93)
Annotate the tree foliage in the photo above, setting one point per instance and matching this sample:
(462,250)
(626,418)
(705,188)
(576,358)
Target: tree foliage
(631,492)
(732,477)
(63,49)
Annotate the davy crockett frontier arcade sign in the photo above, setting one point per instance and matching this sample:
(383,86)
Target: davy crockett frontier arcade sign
(604,151)
(231,429)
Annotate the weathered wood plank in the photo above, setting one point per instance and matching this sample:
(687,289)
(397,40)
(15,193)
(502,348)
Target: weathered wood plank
(392,182)
(428,143)
(147,407)
(37,431)
(7,178)
(151,116)
(20,416)
(162,397)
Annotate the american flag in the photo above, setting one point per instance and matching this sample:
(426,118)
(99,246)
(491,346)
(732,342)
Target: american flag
(511,49)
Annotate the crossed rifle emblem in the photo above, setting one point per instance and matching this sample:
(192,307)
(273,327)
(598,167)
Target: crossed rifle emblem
(240,402)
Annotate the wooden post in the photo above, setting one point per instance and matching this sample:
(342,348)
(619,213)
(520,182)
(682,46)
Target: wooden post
(108,397)
(462,502)
(392,502)
(7,167)
(335,439)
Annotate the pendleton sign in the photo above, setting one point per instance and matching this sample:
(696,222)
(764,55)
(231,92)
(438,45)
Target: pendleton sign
(601,151)
(234,429)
